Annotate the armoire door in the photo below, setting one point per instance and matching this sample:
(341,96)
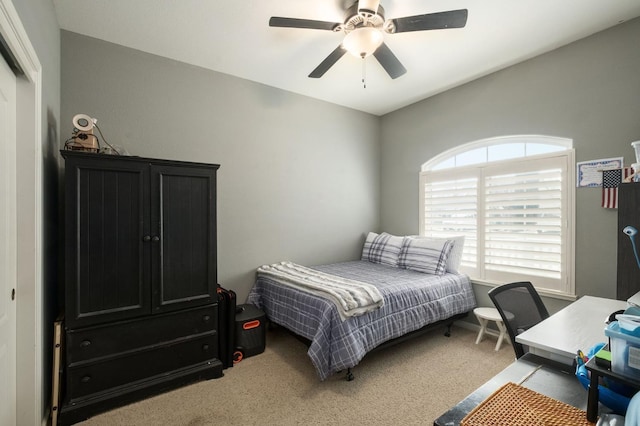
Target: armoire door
(108,244)
(183,222)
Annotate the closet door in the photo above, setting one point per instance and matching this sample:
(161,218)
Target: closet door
(107,271)
(628,240)
(183,245)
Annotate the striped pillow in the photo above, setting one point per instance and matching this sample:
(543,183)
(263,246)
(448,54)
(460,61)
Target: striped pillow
(367,245)
(382,248)
(455,256)
(426,255)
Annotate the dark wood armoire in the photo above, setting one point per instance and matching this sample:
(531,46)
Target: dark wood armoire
(140,305)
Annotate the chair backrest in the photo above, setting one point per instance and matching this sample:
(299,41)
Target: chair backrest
(520,307)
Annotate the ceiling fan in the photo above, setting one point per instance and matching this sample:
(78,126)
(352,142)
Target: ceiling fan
(364,26)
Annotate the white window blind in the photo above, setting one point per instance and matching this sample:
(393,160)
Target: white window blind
(514,215)
(450,208)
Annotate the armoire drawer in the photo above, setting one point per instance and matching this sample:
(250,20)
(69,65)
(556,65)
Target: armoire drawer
(104,375)
(107,340)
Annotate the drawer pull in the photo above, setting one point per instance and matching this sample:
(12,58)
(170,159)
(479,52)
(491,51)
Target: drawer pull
(205,347)
(85,343)
(85,379)
(206,318)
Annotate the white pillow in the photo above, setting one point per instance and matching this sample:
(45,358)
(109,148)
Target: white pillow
(427,255)
(382,248)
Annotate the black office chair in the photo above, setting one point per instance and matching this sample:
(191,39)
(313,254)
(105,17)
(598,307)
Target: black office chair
(520,307)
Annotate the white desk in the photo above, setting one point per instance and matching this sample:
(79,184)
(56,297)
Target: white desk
(578,326)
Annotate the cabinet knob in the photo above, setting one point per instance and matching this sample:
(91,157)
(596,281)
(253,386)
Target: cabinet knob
(85,343)
(85,379)
(146,238)
(206,318)
(205,347)
(155,239)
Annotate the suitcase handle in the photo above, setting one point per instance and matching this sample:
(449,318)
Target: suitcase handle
(251,324)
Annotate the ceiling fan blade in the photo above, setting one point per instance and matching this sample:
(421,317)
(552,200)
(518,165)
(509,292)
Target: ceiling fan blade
(431,21)
(277,21)
(328,62)
(389,62)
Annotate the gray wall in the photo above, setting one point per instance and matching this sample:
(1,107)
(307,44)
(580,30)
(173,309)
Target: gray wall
(588,91)
(304,180)
(299,178)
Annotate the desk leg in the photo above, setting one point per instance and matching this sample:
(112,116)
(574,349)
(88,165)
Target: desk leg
(592,401)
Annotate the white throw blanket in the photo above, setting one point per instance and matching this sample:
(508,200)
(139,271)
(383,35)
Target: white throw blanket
(351,297)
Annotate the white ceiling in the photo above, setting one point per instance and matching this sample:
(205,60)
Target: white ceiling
(233,37)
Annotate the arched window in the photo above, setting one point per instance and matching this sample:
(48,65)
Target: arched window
(512,199)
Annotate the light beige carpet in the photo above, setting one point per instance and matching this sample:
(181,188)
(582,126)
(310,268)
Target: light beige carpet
(411,383)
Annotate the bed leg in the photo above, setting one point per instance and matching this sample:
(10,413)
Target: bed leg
(448,332)
(350,375)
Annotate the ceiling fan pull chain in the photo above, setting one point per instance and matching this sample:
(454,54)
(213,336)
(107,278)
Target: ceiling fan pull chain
(364,73)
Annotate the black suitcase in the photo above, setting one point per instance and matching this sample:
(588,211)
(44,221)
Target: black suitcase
(250,331)
(226,325)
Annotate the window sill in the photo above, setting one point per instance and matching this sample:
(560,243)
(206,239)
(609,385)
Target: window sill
(542,292)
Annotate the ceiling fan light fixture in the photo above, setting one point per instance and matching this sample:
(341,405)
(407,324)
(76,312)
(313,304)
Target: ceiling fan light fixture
(363,41)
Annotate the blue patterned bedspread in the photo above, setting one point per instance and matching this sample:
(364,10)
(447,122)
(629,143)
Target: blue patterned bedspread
(411,301)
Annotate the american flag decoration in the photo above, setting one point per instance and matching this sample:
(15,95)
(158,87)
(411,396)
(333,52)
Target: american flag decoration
(611,180)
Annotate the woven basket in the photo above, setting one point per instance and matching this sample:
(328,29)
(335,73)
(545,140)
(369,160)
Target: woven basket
(514,405)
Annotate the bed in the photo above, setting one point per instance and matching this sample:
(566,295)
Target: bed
(412,300)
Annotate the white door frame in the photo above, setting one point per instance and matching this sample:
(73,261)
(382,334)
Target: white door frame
(8,243)
(29,369)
